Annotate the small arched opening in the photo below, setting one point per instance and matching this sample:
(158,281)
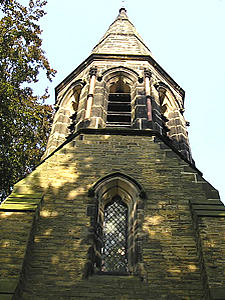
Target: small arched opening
(75,98)
(119,200)
(119,103)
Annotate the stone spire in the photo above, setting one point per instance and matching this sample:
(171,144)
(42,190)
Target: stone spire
(122,38)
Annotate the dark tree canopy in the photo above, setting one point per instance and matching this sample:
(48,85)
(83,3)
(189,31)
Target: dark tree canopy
(24,118)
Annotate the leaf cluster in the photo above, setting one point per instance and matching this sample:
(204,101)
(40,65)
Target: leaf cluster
(24,118)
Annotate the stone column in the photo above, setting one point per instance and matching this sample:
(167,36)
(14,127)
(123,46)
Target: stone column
(90,96)
(148,75)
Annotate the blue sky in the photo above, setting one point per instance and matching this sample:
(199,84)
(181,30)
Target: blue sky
(186,37)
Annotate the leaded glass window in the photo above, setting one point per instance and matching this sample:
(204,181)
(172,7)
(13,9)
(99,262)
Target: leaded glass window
(114,251)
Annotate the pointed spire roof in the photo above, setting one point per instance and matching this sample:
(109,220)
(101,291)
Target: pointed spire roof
(122,38)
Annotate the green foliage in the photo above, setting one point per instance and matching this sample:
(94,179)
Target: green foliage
(24,119)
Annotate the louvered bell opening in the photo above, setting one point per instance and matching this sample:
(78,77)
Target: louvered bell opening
(119,110)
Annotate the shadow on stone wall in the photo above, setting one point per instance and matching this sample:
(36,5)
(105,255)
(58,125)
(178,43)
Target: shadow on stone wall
(62,238)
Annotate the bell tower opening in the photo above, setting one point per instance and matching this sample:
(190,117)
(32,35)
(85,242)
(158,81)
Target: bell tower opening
(119,104)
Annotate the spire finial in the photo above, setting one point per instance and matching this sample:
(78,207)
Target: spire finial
(123,6)
(123,9)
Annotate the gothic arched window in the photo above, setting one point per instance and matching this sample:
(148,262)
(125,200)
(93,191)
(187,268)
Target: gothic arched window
(115,227)
(75,97)
(119,104)
(115,223)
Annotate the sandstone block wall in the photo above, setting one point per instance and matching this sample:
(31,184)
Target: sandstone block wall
(182,253)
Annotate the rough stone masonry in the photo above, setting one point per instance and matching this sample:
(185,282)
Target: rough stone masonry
(118,131)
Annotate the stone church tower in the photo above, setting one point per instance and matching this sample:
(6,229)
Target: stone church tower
(117,208)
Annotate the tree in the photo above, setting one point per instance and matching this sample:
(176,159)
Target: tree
(24,118)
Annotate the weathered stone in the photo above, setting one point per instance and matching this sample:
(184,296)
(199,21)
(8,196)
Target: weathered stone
(52,225)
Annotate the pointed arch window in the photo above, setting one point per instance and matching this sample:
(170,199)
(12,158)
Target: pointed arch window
(115,226)
(119,104)
(75,98)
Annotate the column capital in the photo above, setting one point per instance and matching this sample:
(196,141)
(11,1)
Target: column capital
(147,73)
(93,71)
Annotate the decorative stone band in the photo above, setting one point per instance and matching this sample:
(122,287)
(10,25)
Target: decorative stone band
(148,93)
(90,96)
